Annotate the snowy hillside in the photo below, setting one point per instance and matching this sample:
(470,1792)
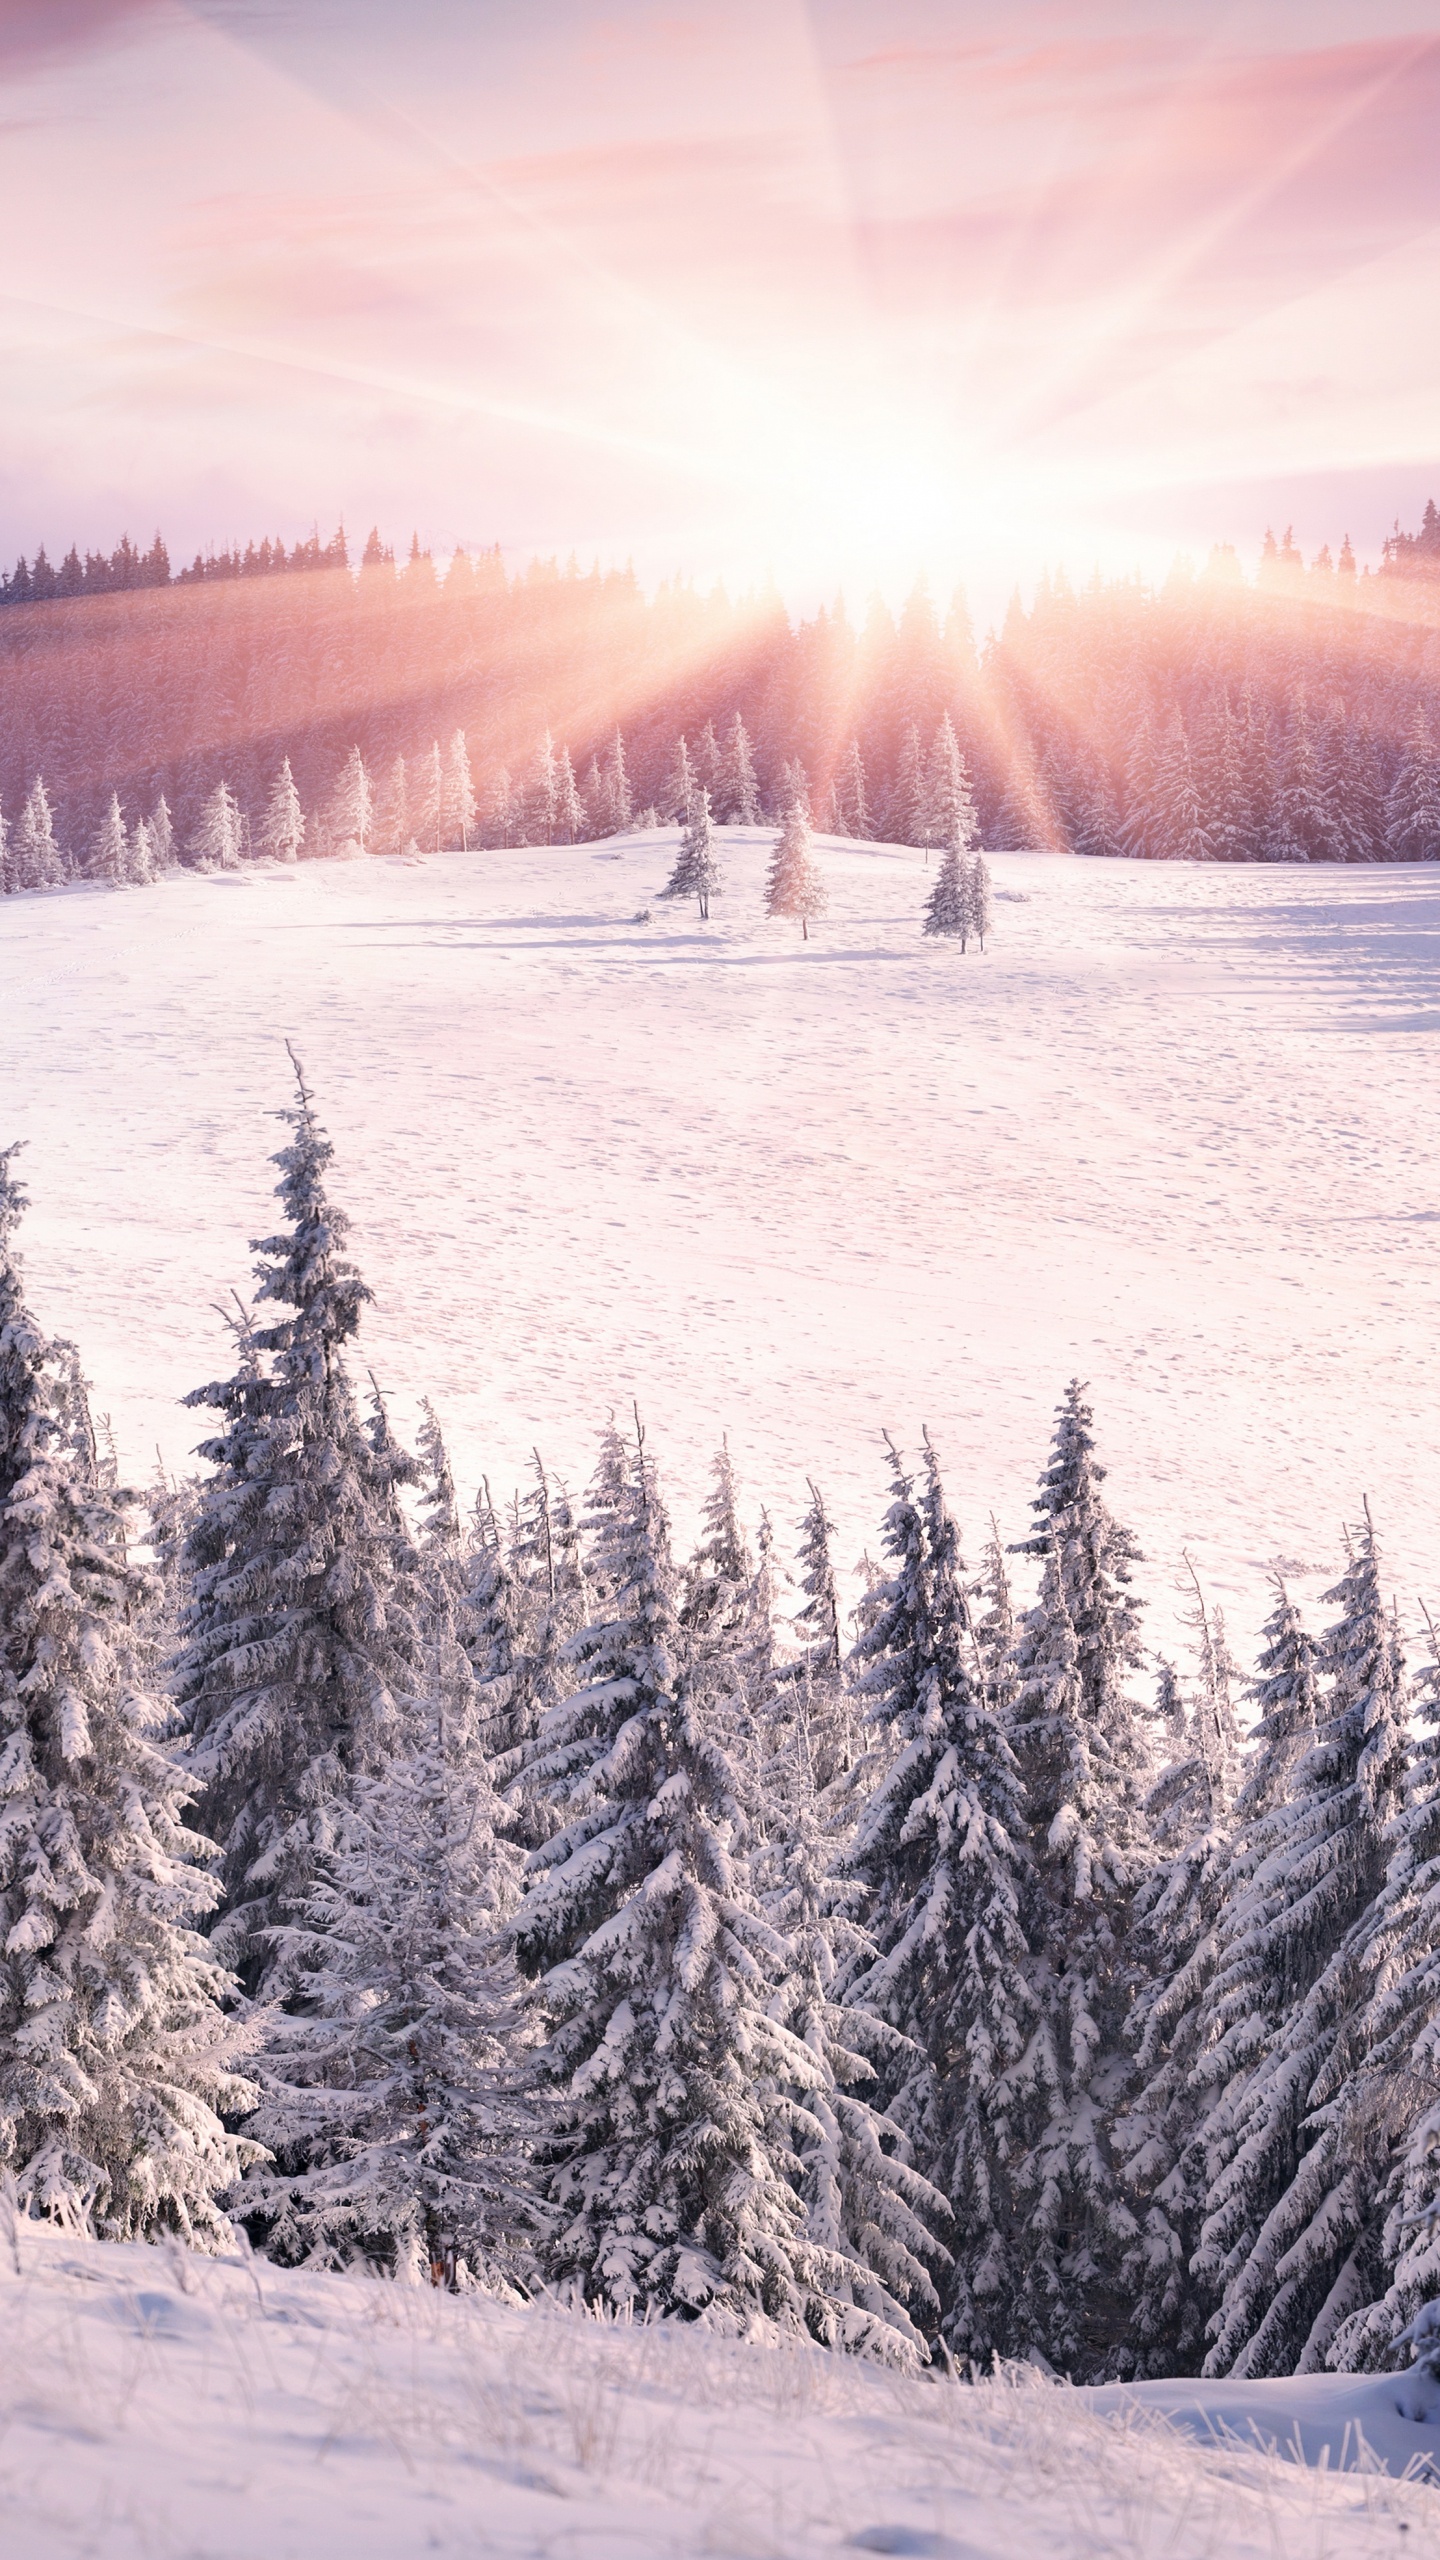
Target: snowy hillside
(159,2404)
(1177,1130)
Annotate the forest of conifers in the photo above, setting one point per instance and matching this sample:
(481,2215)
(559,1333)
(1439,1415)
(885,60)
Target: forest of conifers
(506,1900)
(1212,718)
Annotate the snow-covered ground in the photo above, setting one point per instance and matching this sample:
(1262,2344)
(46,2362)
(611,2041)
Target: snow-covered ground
(1176,1130)
(164,2407)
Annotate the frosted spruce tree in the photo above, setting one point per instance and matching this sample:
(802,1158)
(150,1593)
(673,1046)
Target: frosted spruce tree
(1412,809)
(389,2087)
(979,896)
(218,843)
(116,2065)
(459,792)
(940,1847)
(948,908)
(109,847)
(350,814)
(1398,2078)
(1160,2132)
(1083,1762)
(299,1642)
(696,873)
(667,2167)
(793,885)
(949,803)
(33,858)
(1292,2239)
(282,827)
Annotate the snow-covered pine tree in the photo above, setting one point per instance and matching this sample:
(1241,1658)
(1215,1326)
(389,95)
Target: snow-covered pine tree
(979,895)
(1084,1767)
(794,788)
(947,909)
(1176,817)
(33,857)
(850,795)
(1292,2238)
(425,781)
(350,815)
(391,831)
(162,834)
(569,808)
(821,1699)
(666,2165)
(1160,2131)
(1399,2071)
(1412,810)
(140,864)
(218,842)
(458,792)
(940,1845)
(793,885)
(298,1641)
(865,2204)
(282,826)
(949,801)
(696,873)
(680,785)
(908,813)
(115,2060)
(109,848)
(617,800)
(738,798)
(390,2098)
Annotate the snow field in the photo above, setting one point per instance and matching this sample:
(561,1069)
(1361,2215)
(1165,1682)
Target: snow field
(160,2404)
(1176,1130)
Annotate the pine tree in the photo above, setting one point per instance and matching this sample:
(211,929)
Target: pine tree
(282,827)
(680,786)
(909,813)
(34,858)
(569,809)
(696,873)
(426,785)
(458,791)
(617,800)
(738,798)
(1412,810)
(667,2161)
(350,817)
(1291,2239)
(940,1846)
(1179,833)
(389,2097)
(114,2056)
(821,1700)
(949,801)
(109,847)
(392,810)
(299,1646)
(162,835)
(850,795)
(793,885)
(979,895)
(218,841)
(1397,2082)
(947,909)
(1083,1765)
(140,855)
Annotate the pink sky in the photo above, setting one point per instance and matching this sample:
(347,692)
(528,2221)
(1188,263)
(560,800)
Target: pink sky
(840,291)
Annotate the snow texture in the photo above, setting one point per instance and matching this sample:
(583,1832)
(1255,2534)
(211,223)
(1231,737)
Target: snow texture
(1174,1132)
(159,2403)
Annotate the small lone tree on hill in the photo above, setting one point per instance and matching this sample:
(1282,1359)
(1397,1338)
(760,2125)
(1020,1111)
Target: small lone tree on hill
(794,886)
